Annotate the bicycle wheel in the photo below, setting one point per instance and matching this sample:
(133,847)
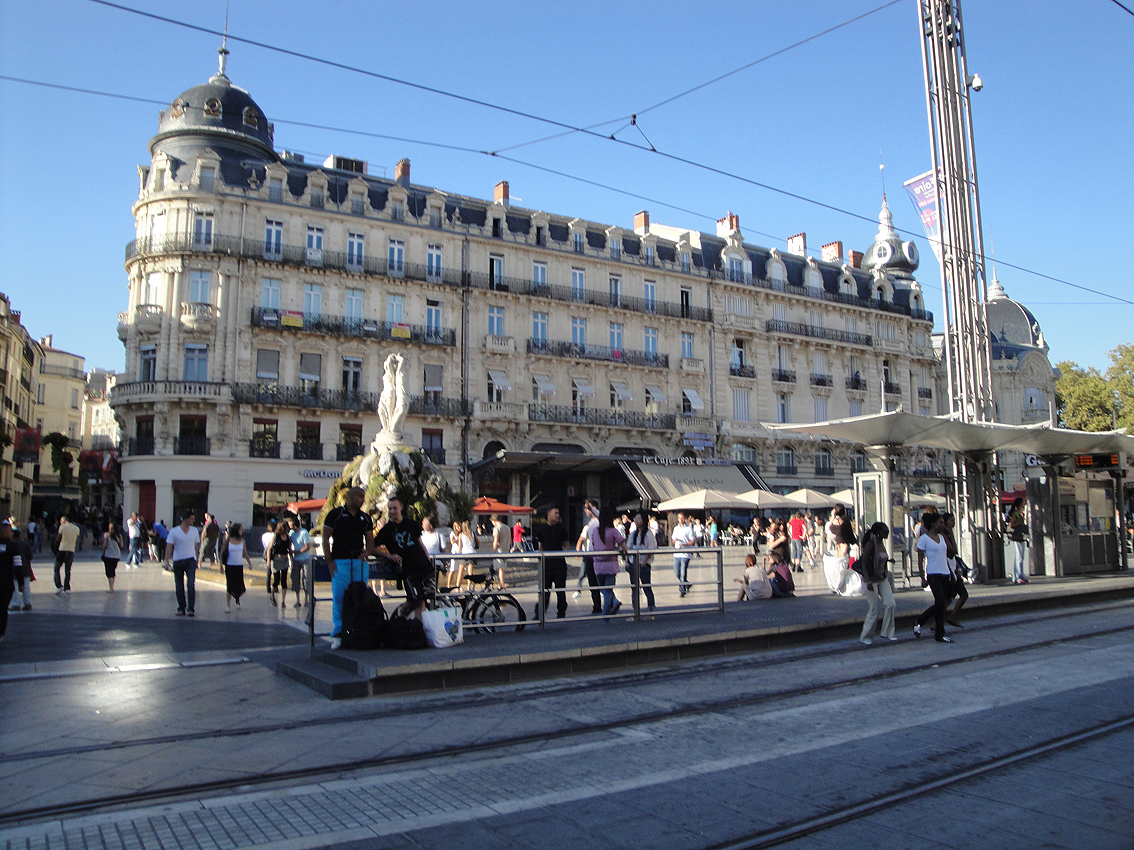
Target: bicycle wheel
(499,612)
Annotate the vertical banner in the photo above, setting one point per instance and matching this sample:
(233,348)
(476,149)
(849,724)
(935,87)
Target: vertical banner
(923,192)
(26,445)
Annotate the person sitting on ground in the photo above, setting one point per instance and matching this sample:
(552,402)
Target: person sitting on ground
(754,583)
(779,574)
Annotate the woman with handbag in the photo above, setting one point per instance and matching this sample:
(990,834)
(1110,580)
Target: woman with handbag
(640,566)
(1017,533)
(605,538)
(112,544)
(879,594)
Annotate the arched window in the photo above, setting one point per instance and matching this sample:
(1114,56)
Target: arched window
(744,453)
(859,462)
(824,465)
(492,448)
(785,461)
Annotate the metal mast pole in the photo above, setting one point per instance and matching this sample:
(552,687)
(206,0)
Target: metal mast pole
(968,358)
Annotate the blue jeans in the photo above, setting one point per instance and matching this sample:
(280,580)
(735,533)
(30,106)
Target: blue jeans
(1020,565)
(135,556)
(606,582)
(346,571)
(185,582)
(681,570)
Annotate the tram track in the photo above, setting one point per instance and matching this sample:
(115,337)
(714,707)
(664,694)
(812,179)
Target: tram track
(249,782)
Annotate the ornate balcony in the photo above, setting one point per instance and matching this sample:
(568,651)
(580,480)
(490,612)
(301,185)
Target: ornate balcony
(151,391)
(307,450)
(262,447)
(499,411)
(435,405)
(785,469)
(599,416)
(198,317)
(739,370)
(140,446)
(783,376)
(345,452)
(372,329)
(824,471)
(192,445)
(273,395)
(580,351)
(927,392)
(147,318)
(821,380)
(799,329)
(856,383)
(890,388)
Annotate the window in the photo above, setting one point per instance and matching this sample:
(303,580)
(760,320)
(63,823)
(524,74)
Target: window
(783,407)
(686,404)
(357,205)
(433,318)
(887,373)
(199,284)
(577,240)
(397,211)
(202,230)
(265,438)
(580,390)
(855,367)
(736,269)
(497,228)
(816,318)
(783,357)
(887,330)
(315,242)
(686,301)
(539,274)
(434,216)
(208,177)
(396,257)
(738,305)
(739,404)
(433,263)
(820,408)
(433,444)
(270,293)
(355,244)
(267,364)
(196,362)
(312,299)
(148,361)
(823,463)
(539,327)
(578,330)
(819,363)
(316,199)
(779,312)
(40,389)
(496,271)
(74,399)
(578,285)
(540,237)
(850,323)
(687,345)
(615,291)
(615,336)
(395,308)
(70,430)
(275,190)
(616,394)
(498,384)
(310,372)
(353,304)
(152,292)
(736,356)
(157,229)
(685,263)
(650,295)
(615,249)
(919,337)
(855,407)
(433,384)
(352,374)
(496,321)
(653,403)
(273,239)
(159,179)
(859,462)
(650,342)
(785,461)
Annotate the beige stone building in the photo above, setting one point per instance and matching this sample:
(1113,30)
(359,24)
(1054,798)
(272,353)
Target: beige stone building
(20,356)
(60,389)
(549,357)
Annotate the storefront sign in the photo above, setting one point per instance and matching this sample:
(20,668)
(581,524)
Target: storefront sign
(687,461)
(322,473)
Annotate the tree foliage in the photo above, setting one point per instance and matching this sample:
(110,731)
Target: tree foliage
(1120,375)
(1089,400)
(61,459)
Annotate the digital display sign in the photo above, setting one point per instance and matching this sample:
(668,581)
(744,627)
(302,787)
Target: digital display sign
(1103,461)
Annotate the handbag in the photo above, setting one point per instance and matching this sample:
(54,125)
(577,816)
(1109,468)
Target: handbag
(443,627)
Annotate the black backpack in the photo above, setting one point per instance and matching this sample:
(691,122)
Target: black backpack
(404,634)
(364,618)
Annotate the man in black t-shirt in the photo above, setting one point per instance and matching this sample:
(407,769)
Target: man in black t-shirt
(553,537)
(400,539)
(348,537)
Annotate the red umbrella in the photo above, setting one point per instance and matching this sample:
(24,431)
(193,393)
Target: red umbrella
(488,505)
(306,505)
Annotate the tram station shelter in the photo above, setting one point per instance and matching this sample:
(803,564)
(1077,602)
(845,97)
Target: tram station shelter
(1074,492)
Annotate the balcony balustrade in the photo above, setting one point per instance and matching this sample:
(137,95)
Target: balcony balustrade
(925,392)
(499,410)
(740,370)
(273,395)
(260,447)
(140,446)
(821,380)
(784,376)
(307,450)
(800,329)
(581,351)
(891,388)
(193,444)
(856,384)
(435,405)
(58,372)
(786,469)
(599,416)
(135,391)
(347,451)
(324,325)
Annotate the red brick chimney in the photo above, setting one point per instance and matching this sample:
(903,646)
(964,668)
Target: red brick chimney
(501,193)
(855,259)
(833,252)
(642,222)
(401,172)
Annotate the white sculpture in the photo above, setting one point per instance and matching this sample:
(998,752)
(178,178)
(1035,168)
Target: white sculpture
(393,405)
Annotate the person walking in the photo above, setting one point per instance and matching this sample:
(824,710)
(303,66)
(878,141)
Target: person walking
(1017,533)
(641,565)
(210,535)
(134,532)
(876,575)
(583,544)
(234,557)
(24,580)
(553,537)
(11,571)
(348,537)
(959,589)
(65,540)
(934,552)
(683,537)
(606,537)
(112,544)
(183,548)
(797,528)
(162,533)
(302,551)
(279,560)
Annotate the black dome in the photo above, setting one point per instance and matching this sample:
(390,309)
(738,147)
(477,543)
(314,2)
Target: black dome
(216,113)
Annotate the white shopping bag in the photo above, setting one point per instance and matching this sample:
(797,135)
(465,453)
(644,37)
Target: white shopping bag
(443,627)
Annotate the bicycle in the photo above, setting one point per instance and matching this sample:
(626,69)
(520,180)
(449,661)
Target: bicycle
(483,609)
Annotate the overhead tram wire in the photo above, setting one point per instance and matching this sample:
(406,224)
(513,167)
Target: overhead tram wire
(576,178)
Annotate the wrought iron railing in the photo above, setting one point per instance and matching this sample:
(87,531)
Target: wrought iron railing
(927,392)
(435,405)
(191,445)
(824,470)
(276,396)
(739,370)
(800,329)
(258,447)
(601,416)
(59,371)
(307,450)
(821,380)
(856,383)
(347,451)
(140,446)
(320,323)
(890,388)
(786,469)
(582,351)
(435,455)
(786,376)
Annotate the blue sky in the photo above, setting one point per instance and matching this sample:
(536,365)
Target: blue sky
(1054,125)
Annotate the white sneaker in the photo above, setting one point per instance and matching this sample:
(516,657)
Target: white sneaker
(59,592)
(336,643)
(866,641)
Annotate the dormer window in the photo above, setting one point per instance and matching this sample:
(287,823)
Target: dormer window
(251,118)
(316,199)
(177,108)
(615,249)
(497,228)
(275,190)
(434,216)
(685,263)
(212,108)
(208,174)
(397,211)
(578,242)
(649,255)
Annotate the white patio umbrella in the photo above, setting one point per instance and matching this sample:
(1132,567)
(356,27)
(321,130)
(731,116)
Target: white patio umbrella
(704,500)
(808,498)
(766,499)
(844,497)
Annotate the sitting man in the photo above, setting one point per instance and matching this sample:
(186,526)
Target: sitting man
(400,540)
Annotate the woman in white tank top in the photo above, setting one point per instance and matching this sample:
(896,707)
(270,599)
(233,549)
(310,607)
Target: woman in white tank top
(234,556)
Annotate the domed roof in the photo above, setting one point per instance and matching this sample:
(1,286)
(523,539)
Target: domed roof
(889,253)
(1011,324)
(216,113)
